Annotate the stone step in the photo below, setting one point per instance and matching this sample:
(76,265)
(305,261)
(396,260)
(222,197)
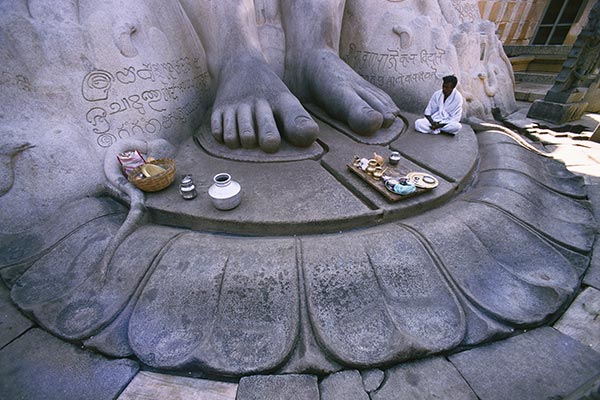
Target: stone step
(535,77)
(530,92)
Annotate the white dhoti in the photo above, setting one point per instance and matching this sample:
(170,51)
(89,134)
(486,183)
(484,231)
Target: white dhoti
(423,126)
(448,111)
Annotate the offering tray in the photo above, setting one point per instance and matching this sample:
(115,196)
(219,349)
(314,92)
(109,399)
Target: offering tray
(379,185)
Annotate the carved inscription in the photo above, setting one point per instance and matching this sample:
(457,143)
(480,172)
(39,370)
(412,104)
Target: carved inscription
(395,68)
(467,10)
(142,99)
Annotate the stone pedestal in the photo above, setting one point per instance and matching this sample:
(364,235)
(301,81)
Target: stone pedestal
(557,113)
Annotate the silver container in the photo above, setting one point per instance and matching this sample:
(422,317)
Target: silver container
(394,158)
(187,189)
(225,193)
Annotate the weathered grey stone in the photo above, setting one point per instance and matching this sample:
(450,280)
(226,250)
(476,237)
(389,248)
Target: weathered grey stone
(286,152)
(481,327)
(451,157)
(592,277)
(581,320)
(588,391)
(573,186)
(12,322)
(39,366)
(341,153)
(539,364)
(343,385)
(276,387)
(275,197)
(233,306)
(555,112)
(74,101)
(433,378)
(19,250)
(564,208)
(372,379)
(382,137)
(405,49)
(82,312)
(593,192)
(372,302)
(308,358)
(66,266)
(578,236)
(493,146)
(498,272)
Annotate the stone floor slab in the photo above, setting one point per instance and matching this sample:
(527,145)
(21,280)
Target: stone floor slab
(152,386)
(345,385)
(12,322)
(278,387)
(275,197)
(449,156)
(433,378)
(339,156)
(539,364)
(39,366)
(582,320)
(372,379)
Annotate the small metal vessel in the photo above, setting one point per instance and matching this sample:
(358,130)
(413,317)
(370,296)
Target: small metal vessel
(187,189)
(394,158)
(225,193)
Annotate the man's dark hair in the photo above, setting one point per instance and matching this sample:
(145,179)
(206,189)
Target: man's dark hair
(450,79)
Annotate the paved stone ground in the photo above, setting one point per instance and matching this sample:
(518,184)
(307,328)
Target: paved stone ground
(558,360)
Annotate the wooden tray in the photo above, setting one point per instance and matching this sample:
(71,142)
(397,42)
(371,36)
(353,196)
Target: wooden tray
(397,170)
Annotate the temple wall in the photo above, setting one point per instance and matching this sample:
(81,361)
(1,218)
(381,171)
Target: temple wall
(517,20)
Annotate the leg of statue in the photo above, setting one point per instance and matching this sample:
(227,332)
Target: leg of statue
(314,71)
(251,100)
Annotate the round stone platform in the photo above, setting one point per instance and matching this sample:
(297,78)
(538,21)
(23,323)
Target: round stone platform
(315,192)
(315,272)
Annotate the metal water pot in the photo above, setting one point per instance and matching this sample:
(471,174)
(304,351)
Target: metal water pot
(225,193)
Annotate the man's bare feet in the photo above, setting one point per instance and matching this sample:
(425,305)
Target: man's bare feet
(254,107)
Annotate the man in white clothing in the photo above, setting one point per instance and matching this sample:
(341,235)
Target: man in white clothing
(444,110)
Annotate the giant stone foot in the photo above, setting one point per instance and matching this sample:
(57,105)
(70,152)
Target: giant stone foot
(323,78)
(253,108)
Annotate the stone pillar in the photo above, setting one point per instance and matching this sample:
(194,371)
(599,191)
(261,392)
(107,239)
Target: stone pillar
(565,101)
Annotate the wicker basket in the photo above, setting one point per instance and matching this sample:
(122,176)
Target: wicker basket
(156,182)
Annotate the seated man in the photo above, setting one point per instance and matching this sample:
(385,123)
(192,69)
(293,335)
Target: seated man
(444,110)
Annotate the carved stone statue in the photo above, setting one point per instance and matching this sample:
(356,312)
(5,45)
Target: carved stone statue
(253,105)
(343,278)
(406,47)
